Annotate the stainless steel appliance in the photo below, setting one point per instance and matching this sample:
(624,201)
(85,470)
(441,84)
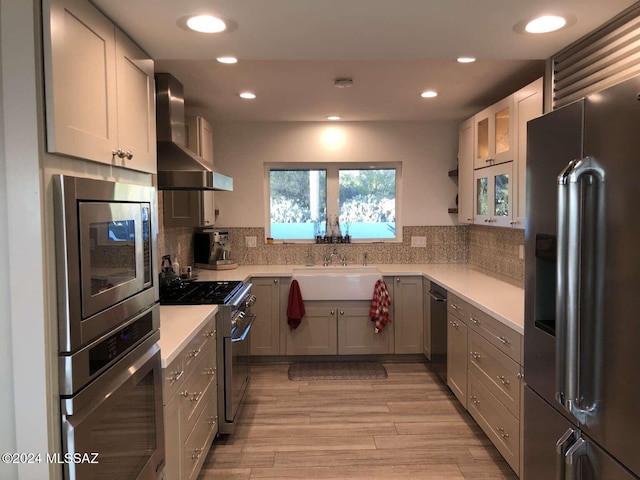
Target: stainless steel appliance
(105,249)
(178,167)
(211,249)
(438,308)
(108,326)
(582,419)
(233,324)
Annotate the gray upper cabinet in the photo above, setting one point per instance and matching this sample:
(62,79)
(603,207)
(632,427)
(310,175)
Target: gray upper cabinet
(99,88)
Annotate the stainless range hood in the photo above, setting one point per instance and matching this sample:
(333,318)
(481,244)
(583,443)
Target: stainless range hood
(178,167)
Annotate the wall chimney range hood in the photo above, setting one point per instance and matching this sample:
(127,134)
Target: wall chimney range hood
(178,167)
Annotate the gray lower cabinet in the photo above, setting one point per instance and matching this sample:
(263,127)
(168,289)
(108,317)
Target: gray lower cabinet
(265,332)
(342,328)
(190,406)
(426,322)
(407,316)
(317,333)
(457,357)
(356,334)
(485,373)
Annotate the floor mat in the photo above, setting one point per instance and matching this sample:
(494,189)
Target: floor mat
(336,371)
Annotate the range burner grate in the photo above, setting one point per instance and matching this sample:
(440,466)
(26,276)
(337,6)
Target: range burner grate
(200,293)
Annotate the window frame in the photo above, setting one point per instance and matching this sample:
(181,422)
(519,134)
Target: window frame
(333,207)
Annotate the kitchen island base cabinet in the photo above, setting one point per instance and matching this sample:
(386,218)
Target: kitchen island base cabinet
(190,405)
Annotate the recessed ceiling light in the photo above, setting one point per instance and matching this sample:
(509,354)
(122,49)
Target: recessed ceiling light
(247,95)
(228,60)
(333,117)
(429,94)
(545,24)
(466,59)
(206,24)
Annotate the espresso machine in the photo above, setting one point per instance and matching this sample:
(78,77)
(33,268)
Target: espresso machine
(211,250)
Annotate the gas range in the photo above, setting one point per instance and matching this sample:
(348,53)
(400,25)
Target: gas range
(201,293)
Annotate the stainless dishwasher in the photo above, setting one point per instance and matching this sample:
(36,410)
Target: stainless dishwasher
(438,307)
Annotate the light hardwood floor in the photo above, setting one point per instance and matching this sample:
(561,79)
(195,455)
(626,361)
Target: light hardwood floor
(408,426)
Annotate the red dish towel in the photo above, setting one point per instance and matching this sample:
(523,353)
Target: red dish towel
(295,306)
(380,303)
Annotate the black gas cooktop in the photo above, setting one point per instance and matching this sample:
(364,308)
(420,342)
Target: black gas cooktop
(200,293)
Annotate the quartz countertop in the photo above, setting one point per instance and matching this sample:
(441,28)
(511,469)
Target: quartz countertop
(179,324)
(497,298)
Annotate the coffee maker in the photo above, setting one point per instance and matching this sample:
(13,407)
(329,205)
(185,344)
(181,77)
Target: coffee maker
(211,250)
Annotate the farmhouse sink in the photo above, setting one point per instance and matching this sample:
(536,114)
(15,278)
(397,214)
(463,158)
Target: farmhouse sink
(336,282)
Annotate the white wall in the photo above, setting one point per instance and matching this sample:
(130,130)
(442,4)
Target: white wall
(26,423)
(427,151)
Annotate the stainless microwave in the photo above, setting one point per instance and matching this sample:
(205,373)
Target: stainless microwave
(106,256)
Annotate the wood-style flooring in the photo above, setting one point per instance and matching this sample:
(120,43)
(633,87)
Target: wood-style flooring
(408,426)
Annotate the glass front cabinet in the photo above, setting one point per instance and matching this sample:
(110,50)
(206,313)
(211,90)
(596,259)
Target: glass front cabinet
(494,134)
(493,188)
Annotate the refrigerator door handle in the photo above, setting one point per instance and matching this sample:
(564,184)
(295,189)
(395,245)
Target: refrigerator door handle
(577,450)
(561,449)
(580,254)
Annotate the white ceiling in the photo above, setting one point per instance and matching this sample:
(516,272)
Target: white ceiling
(290,51)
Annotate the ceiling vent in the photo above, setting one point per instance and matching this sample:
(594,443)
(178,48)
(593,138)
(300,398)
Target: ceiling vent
(343,82)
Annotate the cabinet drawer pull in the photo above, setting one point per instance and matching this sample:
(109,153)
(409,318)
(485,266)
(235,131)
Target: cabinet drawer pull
(474,399)
(475,320)
(196,453)
(195,353)
(175,377)
(129,155)
(185,393)
(210,333)
(118,153)
(476,355)
(212,420)
(503,380)
(454,306)
(500,431)
(520,375)
(196,396)
(505,341)
(210,371)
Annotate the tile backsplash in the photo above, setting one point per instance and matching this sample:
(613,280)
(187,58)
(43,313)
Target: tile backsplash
(493,249)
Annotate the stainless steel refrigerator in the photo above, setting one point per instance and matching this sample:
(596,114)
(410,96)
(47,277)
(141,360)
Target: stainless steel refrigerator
(582,284)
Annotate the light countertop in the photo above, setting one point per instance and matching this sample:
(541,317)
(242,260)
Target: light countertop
(179,324)
(495,297)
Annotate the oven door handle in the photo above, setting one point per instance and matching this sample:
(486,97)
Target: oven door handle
(241,337)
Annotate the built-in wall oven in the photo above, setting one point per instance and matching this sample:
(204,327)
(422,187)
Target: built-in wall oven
(108,328)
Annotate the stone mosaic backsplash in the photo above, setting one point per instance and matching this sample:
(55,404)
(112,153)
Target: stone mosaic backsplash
(493,249)
(444,245)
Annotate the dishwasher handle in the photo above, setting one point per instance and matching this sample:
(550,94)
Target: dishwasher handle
(437,296)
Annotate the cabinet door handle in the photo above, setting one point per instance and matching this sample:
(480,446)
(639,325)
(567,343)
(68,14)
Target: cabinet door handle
(519,375)
(196,453)
(275,280)
(333,312)
(210,333)
(500,431)
(474,399)
(175,377)
(398,279)
(129,155)
(476,356)
(502,379)
(341,312)
(118,153)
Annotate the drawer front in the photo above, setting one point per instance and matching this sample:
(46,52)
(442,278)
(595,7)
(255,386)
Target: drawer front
(195,347)
(502,428)
(496,371)
(197,390)
(197,444)
(458,307)
(173,379)
(502,337)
